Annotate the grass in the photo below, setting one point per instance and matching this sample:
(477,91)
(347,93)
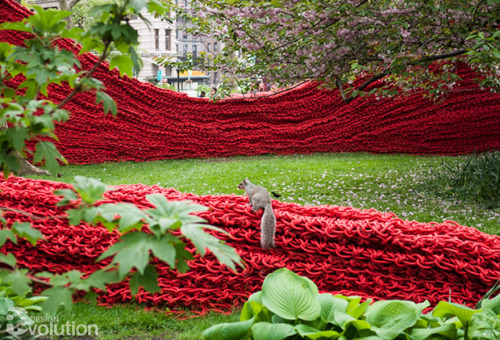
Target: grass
(130,321)
(395,183)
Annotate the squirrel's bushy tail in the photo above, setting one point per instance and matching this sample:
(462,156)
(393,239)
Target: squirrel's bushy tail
(268,228)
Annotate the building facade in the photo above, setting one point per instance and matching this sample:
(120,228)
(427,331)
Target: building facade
(162,38)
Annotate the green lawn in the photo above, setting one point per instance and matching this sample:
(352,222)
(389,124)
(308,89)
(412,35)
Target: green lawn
(384,182)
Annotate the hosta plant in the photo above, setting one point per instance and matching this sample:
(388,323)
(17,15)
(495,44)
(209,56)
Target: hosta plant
(290,307)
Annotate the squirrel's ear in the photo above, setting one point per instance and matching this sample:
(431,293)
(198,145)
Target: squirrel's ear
(246,180)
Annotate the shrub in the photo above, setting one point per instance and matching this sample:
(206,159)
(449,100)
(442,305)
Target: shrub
(474,179)
(290,307)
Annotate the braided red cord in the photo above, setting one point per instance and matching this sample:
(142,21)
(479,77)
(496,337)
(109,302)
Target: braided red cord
(343,250)
(154,123)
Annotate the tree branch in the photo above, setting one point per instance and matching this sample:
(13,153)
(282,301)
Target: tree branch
(442,56)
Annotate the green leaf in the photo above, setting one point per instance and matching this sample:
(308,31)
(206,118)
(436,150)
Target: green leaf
(19,281)
(7,234)
(225,254)
(148,280)
(57,297)
(129,215)
(100,278)
(484,326)
(108,103)
(272,331)
(26,302)
(47,151)
(123,63)
(8,259)
(18,135)
(228,331)
(25,231)
(492,305)
(132,251)
(330,304)
(290,296)
(448,330)
(448,309)
(312,333)
(68,196)
(89,189)
(164,250)
(389,318)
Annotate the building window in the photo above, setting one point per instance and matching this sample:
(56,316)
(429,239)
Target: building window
(185,49)
(177,34)
(216,47)
(184,35)
(157,39)
(216,75)
(168,39)
(208,47)
(195,51)
(177,48)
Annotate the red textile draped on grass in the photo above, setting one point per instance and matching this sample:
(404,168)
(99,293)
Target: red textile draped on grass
(343,250)
(154,123)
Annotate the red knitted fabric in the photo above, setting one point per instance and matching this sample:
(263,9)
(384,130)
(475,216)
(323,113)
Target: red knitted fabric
(154,123)
(343,250)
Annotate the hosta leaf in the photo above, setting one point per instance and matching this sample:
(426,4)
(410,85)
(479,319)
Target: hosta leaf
(290,296)
(484,326)
(228,331)
(448,330)
(446,309)
(492,305)
(390,318)
(272,331)
(330,304)
(313,333)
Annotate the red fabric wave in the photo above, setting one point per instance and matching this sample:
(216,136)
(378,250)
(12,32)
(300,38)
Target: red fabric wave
(154,123)
(343,250)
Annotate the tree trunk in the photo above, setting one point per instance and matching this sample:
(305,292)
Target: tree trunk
(67,5)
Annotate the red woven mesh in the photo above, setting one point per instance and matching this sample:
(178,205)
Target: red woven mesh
(343,250)
(154,123)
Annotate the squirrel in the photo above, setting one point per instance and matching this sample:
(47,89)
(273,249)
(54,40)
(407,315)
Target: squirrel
(260,199)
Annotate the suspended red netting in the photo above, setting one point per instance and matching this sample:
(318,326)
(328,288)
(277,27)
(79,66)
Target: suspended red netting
(343,250)
(154,123)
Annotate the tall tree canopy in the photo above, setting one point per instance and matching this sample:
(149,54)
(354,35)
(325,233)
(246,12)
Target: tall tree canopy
(337,41)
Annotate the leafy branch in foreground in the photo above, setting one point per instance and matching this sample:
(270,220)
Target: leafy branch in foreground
(28,71)
(290,307)
(145,234)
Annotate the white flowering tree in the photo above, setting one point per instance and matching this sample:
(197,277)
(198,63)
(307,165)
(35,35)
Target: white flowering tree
(337,41)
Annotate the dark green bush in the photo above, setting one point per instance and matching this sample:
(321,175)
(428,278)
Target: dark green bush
(475,179)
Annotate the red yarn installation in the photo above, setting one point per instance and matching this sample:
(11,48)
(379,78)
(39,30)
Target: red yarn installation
(155,124)
(343,250)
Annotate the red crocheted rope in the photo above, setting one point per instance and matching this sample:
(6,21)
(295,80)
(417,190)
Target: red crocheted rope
(154,123)
(343,250)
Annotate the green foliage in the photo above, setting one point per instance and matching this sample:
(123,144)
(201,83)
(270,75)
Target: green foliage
(290,307)
(24,115)
(474,179)
(203,88)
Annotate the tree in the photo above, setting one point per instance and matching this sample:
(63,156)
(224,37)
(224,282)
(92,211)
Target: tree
(339,41)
